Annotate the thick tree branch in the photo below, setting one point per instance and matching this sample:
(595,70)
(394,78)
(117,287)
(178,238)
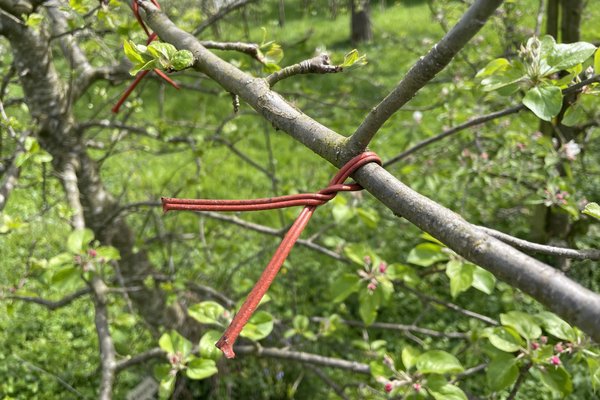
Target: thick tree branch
(568,299)
(424,70)
(252,49)
(575,254)
(283,354)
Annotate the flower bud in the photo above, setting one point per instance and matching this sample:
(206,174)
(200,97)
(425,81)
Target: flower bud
(554,360)
(388,387)
(382,267)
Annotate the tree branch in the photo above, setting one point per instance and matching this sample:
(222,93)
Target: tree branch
(571,301)
(424,70)
(252,49)
(320,64)
(472,122)
(223,11)
(283,354)
(49,304)
(156,352)
(584,254)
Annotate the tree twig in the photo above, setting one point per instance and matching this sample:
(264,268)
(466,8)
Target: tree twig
(576,254)
(223,11)
(520,379)
(401,328)
(320,64)
(49,304)
(271,352)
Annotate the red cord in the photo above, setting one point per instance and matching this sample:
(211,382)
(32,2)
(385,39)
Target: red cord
(151,37)
(310,200)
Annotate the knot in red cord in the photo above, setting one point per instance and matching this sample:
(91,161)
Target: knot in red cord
(310,200)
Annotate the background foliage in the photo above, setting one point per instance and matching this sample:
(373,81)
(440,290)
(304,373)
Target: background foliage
(499,175)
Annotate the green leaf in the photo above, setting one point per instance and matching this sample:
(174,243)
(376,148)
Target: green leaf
(556,326)
(523,323)
(207,347)
(60,260)
(505,339)
(172,342)
(368,304)
(447,392)
(380,370)
(108,253)
(369,217)
(544,101)
(300,323)
(483,280)
(182,59)
(344,286)
(165,343)
(132,52)
(438,362)
(150,65)
(461,276)
(78,239)
(426,254)
(201,368)
(410,356)
(568,55)
(555,378)
(597,62)
(207,312)
(274,55)
(259,326)
(495,66)
(166,387)
(353,60)
(574,115)
(501,372)
(161,50)
(594,370)
(592,209)
(66,276)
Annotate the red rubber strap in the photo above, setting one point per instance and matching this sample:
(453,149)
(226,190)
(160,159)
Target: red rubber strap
(310,200)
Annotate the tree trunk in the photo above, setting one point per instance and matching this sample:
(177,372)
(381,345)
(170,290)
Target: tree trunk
(570,21)
(552,18)
(281,13)
(360,22)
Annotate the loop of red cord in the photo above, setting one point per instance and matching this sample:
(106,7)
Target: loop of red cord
(310,200)
(151,37)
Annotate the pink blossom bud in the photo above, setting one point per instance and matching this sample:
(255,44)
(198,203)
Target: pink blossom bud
(389,387)
(558,347)
(372,286)
(554,360)
(382,267)
(521,146)
(417,387)
(77,259)
(484,156)
(92,253)
(535,345)
(466,153)
(367,260)
(543,339)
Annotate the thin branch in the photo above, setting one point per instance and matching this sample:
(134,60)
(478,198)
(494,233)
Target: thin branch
(401,328)
(283,354)
(60,380)
(472,122)
(196,287)
(584,254)
(328,381)
(469,371)
(156,352)
(251,49)
(223,11)
(423,71)
(320,64)
(452,306)
(49,304)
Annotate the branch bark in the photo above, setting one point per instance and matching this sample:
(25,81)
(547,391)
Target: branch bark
(576,304)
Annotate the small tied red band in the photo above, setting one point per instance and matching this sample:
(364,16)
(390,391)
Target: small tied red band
(151,37)
(310,201)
